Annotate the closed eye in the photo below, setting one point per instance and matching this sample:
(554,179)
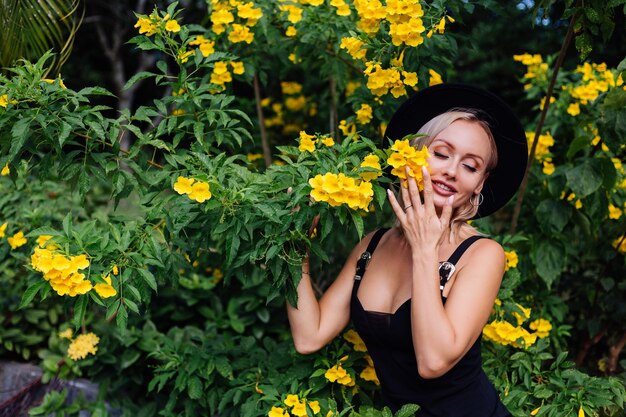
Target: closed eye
(470,168)
(440,155)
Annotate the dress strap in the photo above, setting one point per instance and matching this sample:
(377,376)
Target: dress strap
(366,256)
(447,268)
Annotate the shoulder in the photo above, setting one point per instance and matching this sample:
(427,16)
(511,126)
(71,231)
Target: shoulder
(486,252)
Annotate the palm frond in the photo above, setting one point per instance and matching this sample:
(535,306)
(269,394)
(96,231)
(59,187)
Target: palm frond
(32,27)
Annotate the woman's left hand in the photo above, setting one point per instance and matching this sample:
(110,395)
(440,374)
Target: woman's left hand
(421,224)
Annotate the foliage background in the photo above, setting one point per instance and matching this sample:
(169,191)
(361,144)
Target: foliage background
(197,322)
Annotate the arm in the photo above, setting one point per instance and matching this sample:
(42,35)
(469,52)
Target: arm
(442,335)
(315,323)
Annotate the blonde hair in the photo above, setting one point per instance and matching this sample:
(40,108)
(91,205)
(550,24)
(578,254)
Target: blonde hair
(427,133)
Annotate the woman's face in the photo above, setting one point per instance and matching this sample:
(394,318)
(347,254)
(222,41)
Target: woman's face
(458,162)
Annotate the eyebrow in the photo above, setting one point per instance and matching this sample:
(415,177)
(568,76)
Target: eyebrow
(472,155)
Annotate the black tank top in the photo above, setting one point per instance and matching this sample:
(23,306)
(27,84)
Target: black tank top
(464,391)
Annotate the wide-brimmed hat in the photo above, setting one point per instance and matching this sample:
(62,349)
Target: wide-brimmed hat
(504,180)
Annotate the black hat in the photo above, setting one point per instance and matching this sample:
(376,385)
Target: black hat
(504,180)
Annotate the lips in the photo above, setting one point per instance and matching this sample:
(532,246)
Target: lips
(443,188)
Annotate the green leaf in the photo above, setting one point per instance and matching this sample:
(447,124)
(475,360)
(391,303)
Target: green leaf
(138,77)
(30,293)
(194,387)
(585,178)
(549,259)
(407,410)
(358,222)
(148,278)
(79,311)
(553,215)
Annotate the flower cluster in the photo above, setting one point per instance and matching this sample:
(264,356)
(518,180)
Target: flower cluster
(221,75)
(542,150)
(61,271)
(578,204)
(406,155)
(535,67)
(596,79)
(505,333)
(368,373)
(339,375)
(338,189)
(236,18)
(82,346)
(194,189)
(297,407)
(153,24)
(392,80)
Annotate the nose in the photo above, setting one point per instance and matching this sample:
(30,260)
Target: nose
(450,168)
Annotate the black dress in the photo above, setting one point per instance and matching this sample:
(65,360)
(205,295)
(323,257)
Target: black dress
(464,391)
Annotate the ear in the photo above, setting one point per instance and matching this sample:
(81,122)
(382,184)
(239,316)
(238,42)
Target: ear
(481,184)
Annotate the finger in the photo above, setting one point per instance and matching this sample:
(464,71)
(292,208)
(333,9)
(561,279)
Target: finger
(414,192)
(404,190)
(446,213)
(428,189)
(397,208)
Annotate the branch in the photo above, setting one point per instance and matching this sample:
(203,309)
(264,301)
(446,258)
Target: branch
(544,112)
(267,155)
(614,352)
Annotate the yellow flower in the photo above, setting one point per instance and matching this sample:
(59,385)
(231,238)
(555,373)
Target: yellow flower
(146,26)
(295,103)
(541,327)
(315,406)
(105,290)
(240,33)
(41,240)
(339,375)
(511,260)
(291,400)
(521,318)
(435,78)
(5,171)
(299,409)
(66,334)
(364,114)
(573,109)
(206,46)
(17,240)
(172,26)
(277,412)
(354,47)
(328,141)
(410,78)
(357,343)
(51,81)
(82,346)
(290,87)
(548,166)
(115,270)
(581,412)
(4,101)
(535,411)
(306,142)
(291,31)
(183,185)
(369,374)
(2,229)
(200,192)
(183,55)
(371,161)
(237,67)
(614,212)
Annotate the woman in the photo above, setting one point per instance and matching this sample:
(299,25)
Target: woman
(432,279)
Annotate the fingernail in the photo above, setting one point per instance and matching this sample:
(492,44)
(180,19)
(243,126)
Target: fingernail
(424,170)
(450,199)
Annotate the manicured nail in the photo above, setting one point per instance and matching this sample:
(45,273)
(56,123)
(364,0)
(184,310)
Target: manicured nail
(450,200)
(424,170)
